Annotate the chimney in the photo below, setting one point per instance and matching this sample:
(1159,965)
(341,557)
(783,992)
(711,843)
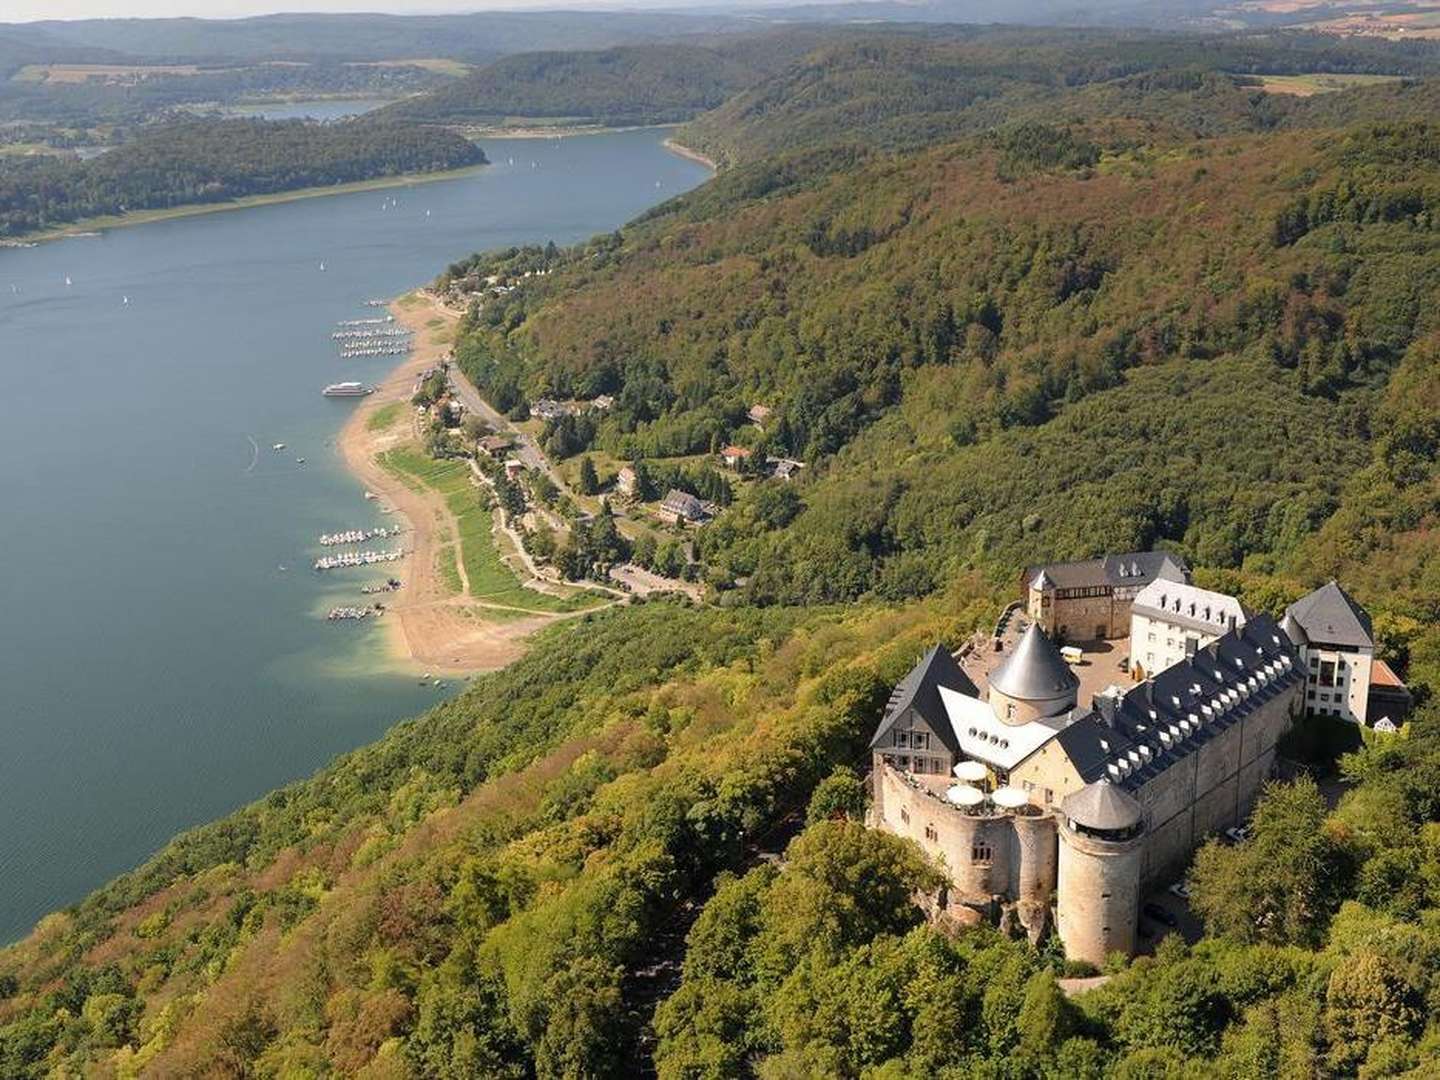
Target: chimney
(1107,705)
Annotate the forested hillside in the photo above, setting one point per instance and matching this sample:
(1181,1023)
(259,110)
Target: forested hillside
(1140,304)
(636,84)
(207,161)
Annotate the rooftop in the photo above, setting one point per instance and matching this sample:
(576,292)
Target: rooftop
(1330,617)
(1035,671)
(1134,568)
(1189,605)
(1102,806)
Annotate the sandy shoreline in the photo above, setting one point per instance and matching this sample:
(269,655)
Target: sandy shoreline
(693,155)
(427,627)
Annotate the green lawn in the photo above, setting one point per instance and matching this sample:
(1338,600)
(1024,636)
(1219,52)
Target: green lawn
(384,417)
(490,578)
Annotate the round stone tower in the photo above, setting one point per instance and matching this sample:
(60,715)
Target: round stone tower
(1097,898)
(1033,681)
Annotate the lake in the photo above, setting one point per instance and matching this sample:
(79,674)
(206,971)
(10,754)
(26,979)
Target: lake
(166,659)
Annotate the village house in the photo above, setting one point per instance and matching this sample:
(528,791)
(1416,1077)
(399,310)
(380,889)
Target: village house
(681,506)
(734,457)
(1035,805)
(1090,600)
(1170,620)
(514,468)
(759,415)
(603,403)
(626,483)
(549,409)
(784,468)
(494,446)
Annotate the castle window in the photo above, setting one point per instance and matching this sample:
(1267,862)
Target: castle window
(902,738)
(905,815)
(930,833)
(1010,711)
(1049,796)
(981,853)
(920,740)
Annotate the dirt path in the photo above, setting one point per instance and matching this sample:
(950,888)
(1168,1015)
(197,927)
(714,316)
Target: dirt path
(428,625)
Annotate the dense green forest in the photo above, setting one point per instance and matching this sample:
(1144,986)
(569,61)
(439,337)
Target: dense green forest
(636,84)
(206,161)
(1097,326)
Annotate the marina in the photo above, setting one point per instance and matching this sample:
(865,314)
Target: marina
(358,536)
(358,558)
(354,614)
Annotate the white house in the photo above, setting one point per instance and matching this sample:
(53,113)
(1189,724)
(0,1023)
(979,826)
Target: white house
(1171,621)
(1334,636)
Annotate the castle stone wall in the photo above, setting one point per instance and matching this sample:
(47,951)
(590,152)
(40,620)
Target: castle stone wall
(1098,895)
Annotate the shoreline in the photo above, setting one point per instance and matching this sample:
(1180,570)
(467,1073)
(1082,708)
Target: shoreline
(147,217)
(680,150)
(427,626)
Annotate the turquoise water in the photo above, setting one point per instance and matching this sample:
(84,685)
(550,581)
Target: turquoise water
(158,667)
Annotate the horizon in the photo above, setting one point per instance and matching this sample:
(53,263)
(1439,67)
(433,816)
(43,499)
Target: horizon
(34,11)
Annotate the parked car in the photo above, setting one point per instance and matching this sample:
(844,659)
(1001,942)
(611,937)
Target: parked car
(1180,889)
(1160,915)
(1237,834)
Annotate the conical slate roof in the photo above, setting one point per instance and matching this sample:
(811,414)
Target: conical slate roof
(1293,630)
(1042,582)
(1329,616)
(1035,671)
(1103,806)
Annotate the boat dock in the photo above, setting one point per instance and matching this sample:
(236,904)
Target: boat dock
(358,536)
(358,558)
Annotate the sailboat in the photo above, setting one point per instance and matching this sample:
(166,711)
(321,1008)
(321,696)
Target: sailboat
(125,300)
(322,266)
(68,282)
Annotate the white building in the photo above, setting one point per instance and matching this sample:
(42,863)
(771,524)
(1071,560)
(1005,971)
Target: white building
(1171,621)
(1335,640)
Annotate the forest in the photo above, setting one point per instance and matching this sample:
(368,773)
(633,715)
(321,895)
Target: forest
(1093,327)
(626,85)
(208,161)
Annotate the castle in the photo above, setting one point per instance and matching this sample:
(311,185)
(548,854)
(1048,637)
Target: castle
(1039,806)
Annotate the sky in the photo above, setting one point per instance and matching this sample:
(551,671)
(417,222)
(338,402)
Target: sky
(29,10)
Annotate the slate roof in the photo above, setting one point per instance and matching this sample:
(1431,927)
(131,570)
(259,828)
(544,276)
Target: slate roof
(1102,805)
(1293,630)
(1330,617)
(1189,606)
(1137,568)
(920,690)
(1035,670)
(684,504)
(1166,718)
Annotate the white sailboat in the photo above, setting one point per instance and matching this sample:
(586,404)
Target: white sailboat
(68,282)
(322,266)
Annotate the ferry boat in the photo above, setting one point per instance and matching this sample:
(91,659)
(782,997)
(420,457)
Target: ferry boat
(347,389)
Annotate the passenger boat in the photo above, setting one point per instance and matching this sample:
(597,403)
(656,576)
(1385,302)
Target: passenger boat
(347,389)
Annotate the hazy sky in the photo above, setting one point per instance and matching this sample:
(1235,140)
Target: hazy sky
(26,10)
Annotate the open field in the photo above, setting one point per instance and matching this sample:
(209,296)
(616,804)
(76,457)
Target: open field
(385,417)
(114,74)
(440,66)
(1319,83)
(485,575)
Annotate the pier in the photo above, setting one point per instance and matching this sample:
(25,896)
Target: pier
(358,558)
(359,536)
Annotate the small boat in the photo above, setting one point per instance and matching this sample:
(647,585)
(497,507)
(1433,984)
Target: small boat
(322,267)
(125,300)
(371,495)
(68,282)
(299,461)
(278,447)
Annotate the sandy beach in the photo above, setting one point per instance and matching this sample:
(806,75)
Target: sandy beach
(428,626)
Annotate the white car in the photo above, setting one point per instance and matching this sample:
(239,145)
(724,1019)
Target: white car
(1238,834)
(1180,889)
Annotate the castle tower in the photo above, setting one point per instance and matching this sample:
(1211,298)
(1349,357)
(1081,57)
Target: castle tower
(1097,904)
(1033,681)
